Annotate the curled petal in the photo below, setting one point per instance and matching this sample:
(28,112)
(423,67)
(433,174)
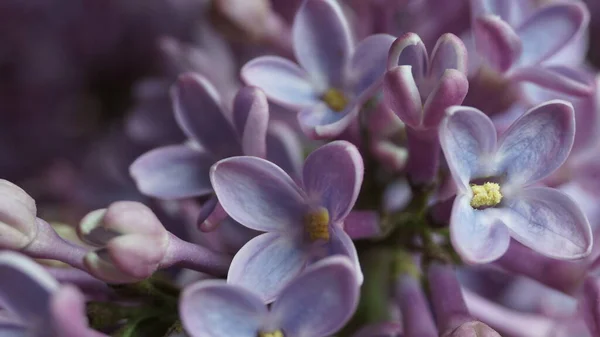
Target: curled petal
(25,288)
(258,194)
(173,172)
(497,43)
(402,96)
(537,143)
(282,81)
(449,53)
(199,114)
(322,41)
(320,122)
(409,50)
(476,235)
(332,177)
(549,222)
(320,301)
(468,140)
(342,244)
(550,29)
(266,264)
(368,62)
(558,79)
(215,309)
(451,90)
(511,11)
(251,118)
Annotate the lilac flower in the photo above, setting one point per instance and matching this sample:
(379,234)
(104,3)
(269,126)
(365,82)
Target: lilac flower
(517,43)
(334,78)
(301,224)
(181,171)
(419,88)
(133,244)
(316,304)
(38,305)
(495,200)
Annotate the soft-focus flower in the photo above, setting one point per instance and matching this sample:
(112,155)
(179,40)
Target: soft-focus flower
(334,78)
(302,224)
(38,305)
(495,201)
(134,244)
(316,304)
(180,171)
(519,44)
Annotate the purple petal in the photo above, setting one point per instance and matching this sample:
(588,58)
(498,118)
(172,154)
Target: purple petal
(468,139)
(267,263)
(559,79)
(476,235)
(13,329)
(342,244)
(25,288)
(320,301)
(550,29)
(362,224)
(258,194)
(284,148)
(199,114)
(173,172)
(251,118)
(497,43)
(511,11)
(537,143)
(451,90)
(332,177)
(409,50)
(449,53)
(589,305)
(368,62)
(322,42)
(549,222)
(69,313)
(215,309)
(282,81)
(402,96)
(320,122)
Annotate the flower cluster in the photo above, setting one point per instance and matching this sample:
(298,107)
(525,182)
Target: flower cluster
(321,168)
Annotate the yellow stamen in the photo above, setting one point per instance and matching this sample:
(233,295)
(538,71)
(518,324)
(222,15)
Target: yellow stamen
(317,224)
(486,195)
(276,333)
(335,99)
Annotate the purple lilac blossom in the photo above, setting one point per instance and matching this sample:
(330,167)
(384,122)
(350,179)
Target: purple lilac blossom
(302,223)
(315,304)
(333,78)
(535,145)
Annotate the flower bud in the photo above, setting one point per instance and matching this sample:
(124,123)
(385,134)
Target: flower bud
(133,241)
(18,227)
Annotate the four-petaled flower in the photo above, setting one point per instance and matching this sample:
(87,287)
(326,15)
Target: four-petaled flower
(315,304)
(495,199)
(334,78)
(302,224)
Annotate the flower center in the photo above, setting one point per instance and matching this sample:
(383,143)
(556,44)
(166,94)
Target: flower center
(276,333)
(317,224)
(335,99)
(486,195)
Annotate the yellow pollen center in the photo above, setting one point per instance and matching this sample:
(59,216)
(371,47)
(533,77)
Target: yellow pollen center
(317,224)
(486,195)
(335,99)
(276,333)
